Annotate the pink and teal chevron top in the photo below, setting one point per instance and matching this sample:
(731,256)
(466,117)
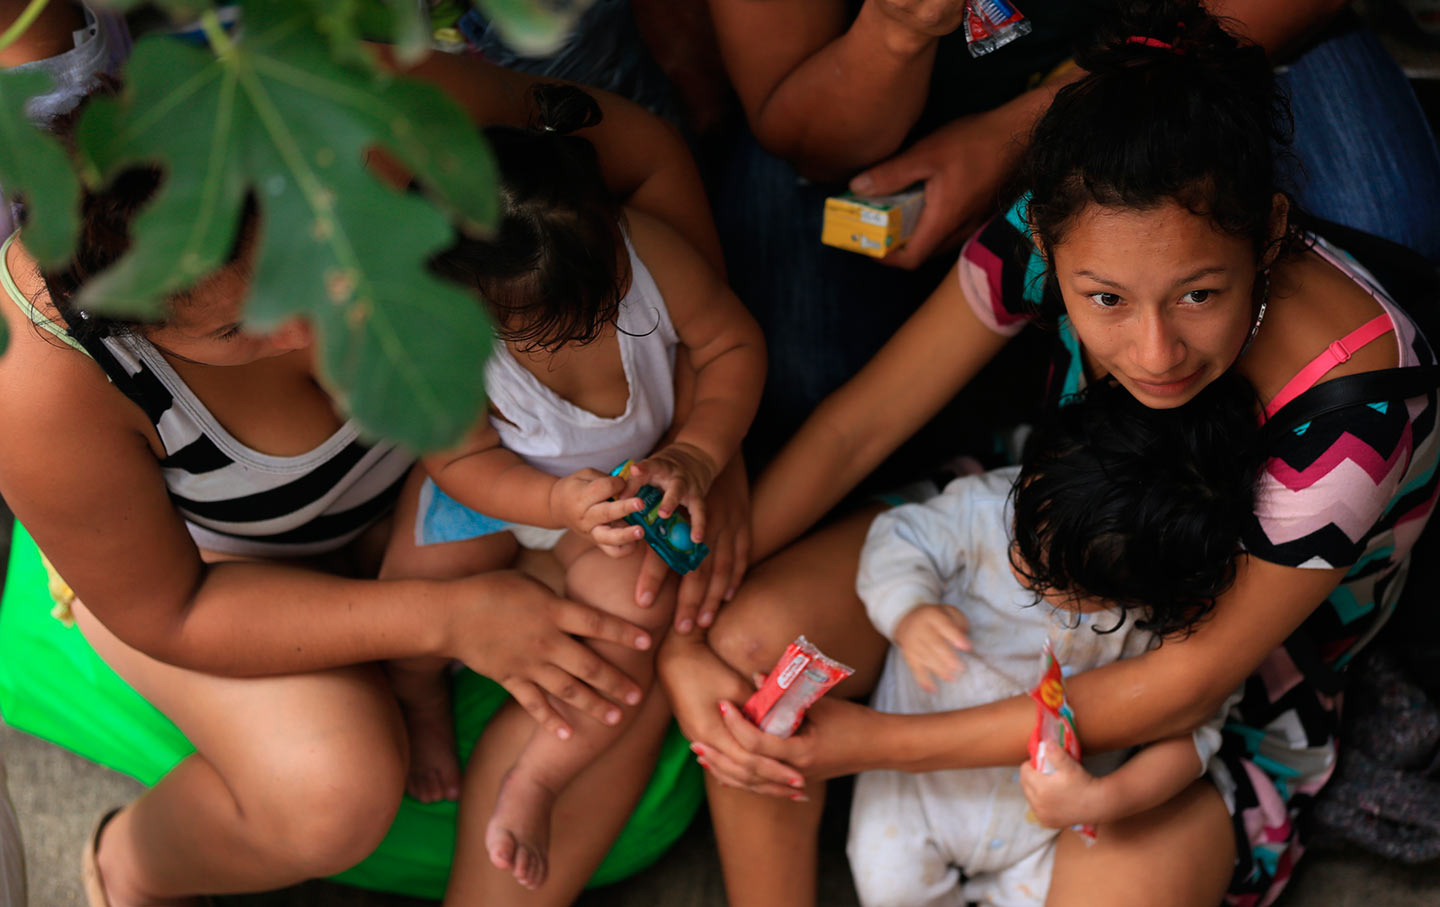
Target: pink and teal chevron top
(1351,489)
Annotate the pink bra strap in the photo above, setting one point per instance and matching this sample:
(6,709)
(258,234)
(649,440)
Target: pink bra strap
(1337,352)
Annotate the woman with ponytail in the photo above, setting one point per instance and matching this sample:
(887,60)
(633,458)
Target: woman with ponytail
(1151,238)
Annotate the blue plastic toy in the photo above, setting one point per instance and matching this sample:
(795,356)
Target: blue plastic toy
(669,536)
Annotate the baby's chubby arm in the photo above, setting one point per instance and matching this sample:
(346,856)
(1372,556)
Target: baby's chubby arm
(727,352)
(910,553)
(1070,795)
(486,477)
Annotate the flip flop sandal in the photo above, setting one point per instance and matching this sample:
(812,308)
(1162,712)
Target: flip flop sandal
(90,869)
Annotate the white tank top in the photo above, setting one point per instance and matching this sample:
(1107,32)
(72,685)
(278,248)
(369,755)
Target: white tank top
(554,435)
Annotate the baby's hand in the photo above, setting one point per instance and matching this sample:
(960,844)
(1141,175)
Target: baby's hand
(1066,796)
(684,472)
(581,503)
(928,637)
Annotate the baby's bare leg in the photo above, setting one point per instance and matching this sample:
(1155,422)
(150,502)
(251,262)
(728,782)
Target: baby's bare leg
(518,835)
(420,683)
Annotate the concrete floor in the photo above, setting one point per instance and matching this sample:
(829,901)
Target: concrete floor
(58,795)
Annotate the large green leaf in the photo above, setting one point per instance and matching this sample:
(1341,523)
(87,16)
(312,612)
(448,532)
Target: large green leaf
(275,115)
(33,165)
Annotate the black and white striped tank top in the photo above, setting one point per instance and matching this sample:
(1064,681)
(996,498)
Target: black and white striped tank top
(233,498)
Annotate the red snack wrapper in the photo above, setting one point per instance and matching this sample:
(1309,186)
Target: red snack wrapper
(801,676)
(1054,721)
(989,24)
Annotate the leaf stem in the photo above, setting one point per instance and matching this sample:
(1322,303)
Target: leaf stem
(27,18)
(215,33)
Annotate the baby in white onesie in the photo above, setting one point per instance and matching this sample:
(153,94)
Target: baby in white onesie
(970,584)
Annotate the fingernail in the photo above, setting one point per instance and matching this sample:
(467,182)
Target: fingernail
(642,642)
(707,618)
(686,625)
(563,733)
(632,697)
(796,782)
(724,708)
(638,533)
(703,763)
(800,798)
(861,183)
(612,716)
(729,594)
(697,749)
(647,597)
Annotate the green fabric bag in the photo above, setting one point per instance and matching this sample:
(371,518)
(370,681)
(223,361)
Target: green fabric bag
(53,685)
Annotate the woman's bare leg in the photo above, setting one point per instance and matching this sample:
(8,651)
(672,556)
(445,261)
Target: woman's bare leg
(1180,854)
(293,777)
(768,845)
(422,684)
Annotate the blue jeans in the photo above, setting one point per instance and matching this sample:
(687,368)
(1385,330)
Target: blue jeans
(1366,154)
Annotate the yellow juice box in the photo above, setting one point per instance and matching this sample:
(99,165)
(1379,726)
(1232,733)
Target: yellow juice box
(871,226)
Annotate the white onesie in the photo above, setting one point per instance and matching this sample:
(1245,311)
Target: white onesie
(912,835)
(554,435)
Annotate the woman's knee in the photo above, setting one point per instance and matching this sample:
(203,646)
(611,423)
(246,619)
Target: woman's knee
(327,811)
(751,632)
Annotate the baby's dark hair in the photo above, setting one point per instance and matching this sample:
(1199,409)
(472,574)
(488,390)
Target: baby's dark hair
(551,273)
(1140,507)
(1175,108)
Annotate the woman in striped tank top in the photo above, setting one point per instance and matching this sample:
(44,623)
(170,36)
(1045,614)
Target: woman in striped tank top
(197,487)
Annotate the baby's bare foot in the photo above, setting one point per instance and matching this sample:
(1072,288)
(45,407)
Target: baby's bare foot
(518,836)
(434,766)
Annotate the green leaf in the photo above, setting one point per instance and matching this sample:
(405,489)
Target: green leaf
(33,165)
(275,115)
(534,28)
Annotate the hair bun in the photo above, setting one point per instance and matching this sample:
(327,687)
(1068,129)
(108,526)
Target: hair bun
(1149,30)
(563,109)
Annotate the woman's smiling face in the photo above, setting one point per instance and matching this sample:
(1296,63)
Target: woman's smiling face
(1161,299)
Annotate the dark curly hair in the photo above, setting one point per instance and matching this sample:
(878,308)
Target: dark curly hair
(1141,508)
(1175,108)
(551,274)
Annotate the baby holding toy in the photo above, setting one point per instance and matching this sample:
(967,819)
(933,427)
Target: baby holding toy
(1119,530)
(591,303)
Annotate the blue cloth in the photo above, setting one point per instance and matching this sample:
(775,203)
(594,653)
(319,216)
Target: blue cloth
(441,518)
(1367,156)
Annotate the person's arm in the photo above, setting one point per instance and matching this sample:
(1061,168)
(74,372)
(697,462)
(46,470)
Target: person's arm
(1277,27)
(1070,795)
(77,470)
(1166,692)
(643,159)
(933,354)
(727,352)
(825,95)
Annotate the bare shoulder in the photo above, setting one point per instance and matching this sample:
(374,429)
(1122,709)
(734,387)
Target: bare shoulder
(676,265)
(1311,304)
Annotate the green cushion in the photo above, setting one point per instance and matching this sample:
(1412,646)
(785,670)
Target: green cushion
(53,685)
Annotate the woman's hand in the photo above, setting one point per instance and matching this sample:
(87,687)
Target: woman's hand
(835,740)
(583,502)
(704,589)
(518,633)
(697,683)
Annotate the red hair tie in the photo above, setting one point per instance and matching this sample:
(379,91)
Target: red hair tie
(1151,42)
